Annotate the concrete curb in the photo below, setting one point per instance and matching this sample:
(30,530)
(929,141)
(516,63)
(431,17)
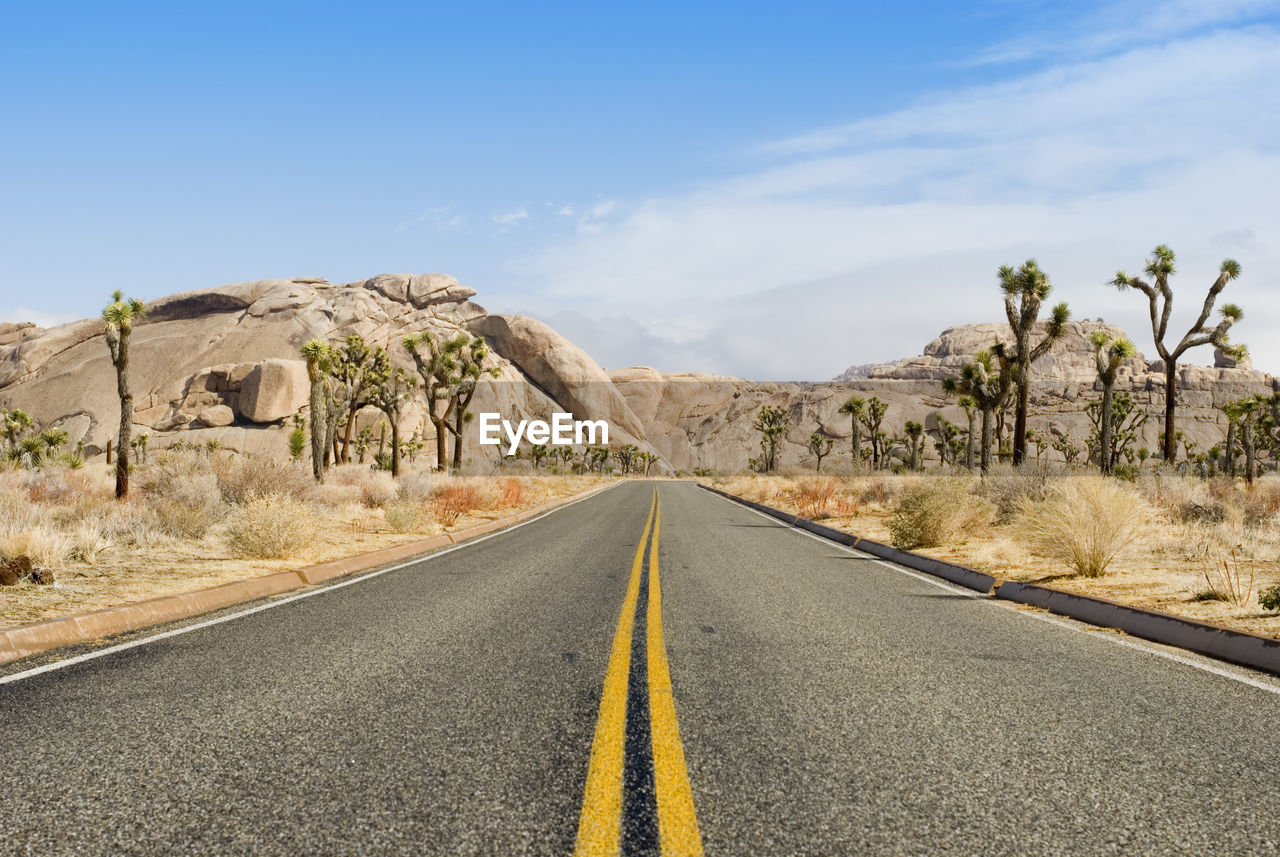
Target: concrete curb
(31,639)
(1237,647)
(957,574)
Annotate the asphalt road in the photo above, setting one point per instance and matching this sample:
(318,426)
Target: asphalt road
(508,698)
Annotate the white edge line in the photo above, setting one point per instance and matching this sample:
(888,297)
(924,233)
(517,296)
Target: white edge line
(1136,643)
(321,590)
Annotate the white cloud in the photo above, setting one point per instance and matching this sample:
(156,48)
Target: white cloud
(511,218)
(861,242)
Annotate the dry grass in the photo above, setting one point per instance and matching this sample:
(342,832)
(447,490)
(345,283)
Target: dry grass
(192,522)
(1083,522)
(1186,524)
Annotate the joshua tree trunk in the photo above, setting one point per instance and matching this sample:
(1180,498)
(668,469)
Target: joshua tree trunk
(970,441)
(317,424)
(442,450)
(346,436)
(126,417)
(1104,430)
(986,440)
(1230,461)
(1020,415)
(1246,440)
(857,443)
(395,443)
(1170,450)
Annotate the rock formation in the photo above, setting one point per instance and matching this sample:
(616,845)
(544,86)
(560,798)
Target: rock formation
(223,364)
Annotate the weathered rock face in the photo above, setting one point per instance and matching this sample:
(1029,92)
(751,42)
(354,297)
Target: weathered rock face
(274,389)
(222,364)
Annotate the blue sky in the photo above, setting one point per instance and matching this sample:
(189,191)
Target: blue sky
(773,190)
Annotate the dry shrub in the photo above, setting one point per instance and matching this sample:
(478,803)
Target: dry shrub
(49,486)
(270,526)
(813,495)
(243,476)
(1223,489)
(88,541)
(510,492)
(337,496)
(405,518)
(1170,492)
(419,486)
(847,503)
(1009,487)
(454,501)
(880,490)
(134,525)
(44,546)
(1262,500)
(1084,522)
(938,512)
(374,488)
(186,502)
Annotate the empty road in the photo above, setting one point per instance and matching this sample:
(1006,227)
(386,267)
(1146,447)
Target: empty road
(654,670)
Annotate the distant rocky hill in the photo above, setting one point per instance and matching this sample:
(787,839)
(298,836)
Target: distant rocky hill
(222,364)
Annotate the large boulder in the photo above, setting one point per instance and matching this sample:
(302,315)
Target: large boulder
(274,390)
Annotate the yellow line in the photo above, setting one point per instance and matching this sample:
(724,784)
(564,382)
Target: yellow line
(600,825)
(677,821)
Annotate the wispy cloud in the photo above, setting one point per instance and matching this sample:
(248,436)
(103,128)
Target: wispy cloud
(441,217)
(512,217)
(1125,24)
(862,241)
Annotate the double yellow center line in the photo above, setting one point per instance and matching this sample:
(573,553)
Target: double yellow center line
(600,826)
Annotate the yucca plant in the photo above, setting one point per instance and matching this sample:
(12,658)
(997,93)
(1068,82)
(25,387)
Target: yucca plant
(1109,354)
(1160,297)
(1025,289)
(855,407)
(121,315)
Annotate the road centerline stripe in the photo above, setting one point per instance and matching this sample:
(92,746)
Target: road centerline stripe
(599,825)
(677,820)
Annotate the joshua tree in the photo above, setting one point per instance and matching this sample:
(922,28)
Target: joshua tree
(876,410)
(139,446)
(987,381)
(1160,297)
(947,443)
(354,382)
(854,408)
(392,387)
(1124,420)
(1108,354)
(438,363)
(16,423)
(319,360)
(1025,289)
(1066,448)
(820,445)
(471,355)
(772,422)
(120,316)
(915,442)
(1038,441)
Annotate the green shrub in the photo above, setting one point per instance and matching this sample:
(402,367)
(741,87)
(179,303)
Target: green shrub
(1269,598)
(938,512)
